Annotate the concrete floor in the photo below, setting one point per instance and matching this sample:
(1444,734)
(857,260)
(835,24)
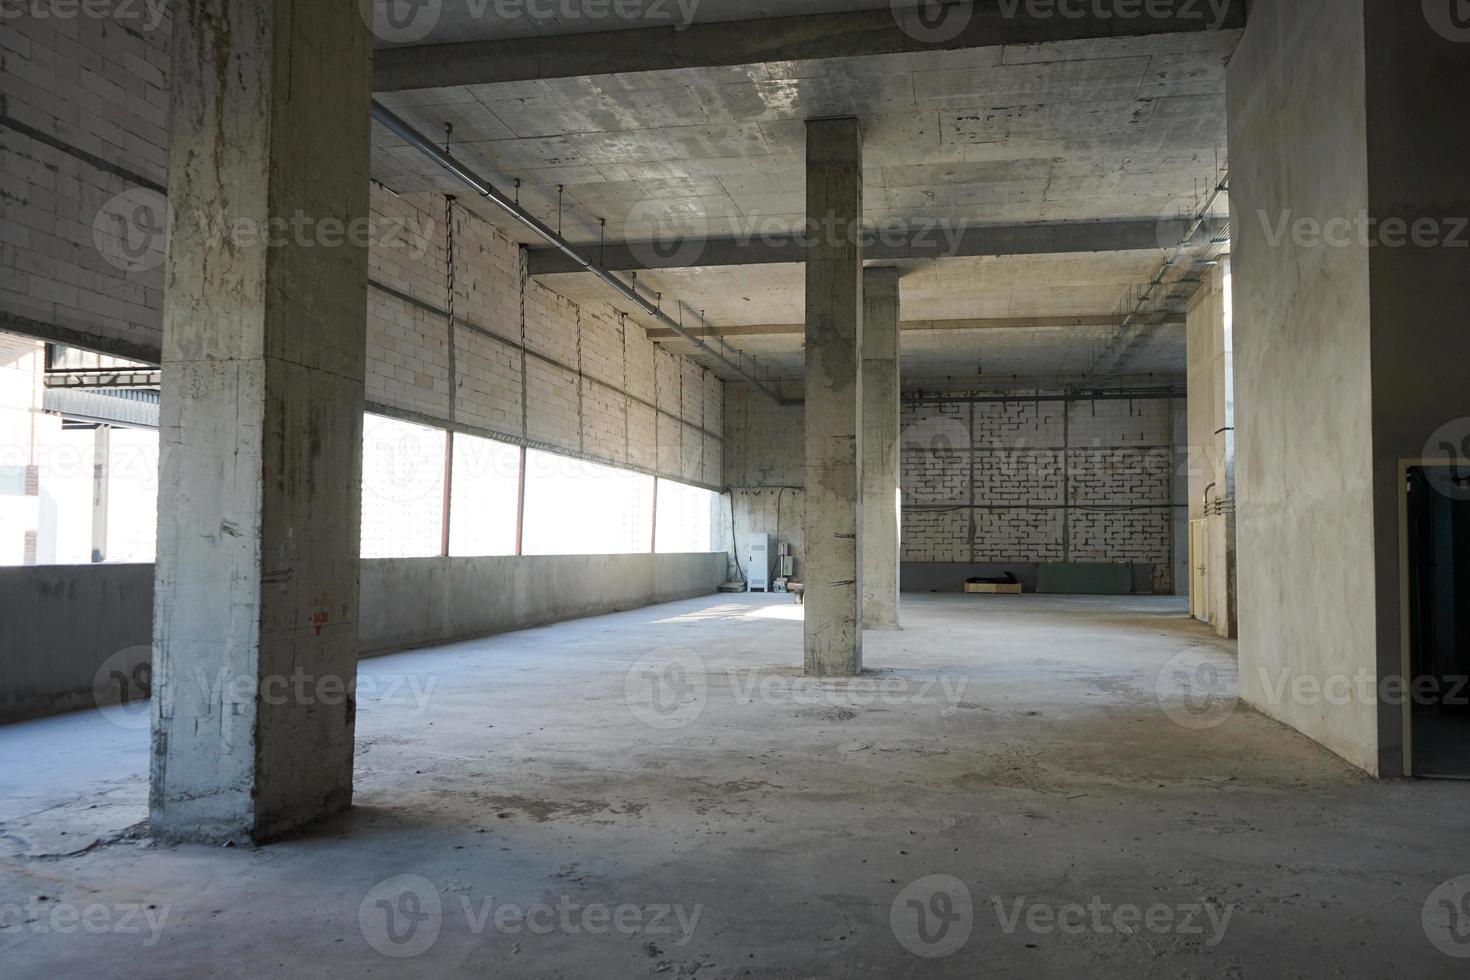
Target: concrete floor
(761,826)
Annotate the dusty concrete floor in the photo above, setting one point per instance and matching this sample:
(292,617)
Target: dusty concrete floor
(726,819)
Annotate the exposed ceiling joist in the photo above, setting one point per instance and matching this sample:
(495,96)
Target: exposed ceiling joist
(922,240)
(809,37)
(988,323)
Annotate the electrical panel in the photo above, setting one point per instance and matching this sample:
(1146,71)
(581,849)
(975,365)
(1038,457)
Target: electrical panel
(760,561)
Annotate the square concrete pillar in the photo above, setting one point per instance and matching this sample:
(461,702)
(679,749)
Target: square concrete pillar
(834,356)
(880,442)
(255,615)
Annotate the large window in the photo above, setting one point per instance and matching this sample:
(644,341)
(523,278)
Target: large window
(402,489)
(685,518)
(484,497)
(578,508)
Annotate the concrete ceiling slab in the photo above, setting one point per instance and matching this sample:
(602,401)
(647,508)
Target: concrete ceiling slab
(1126,127)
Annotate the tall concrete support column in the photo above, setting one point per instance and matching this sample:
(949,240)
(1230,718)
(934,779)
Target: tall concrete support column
(255,615)
(880,440)
(834,358)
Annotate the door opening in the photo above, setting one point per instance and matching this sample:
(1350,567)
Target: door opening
(1439,619)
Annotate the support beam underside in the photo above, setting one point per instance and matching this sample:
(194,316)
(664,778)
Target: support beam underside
(809,37)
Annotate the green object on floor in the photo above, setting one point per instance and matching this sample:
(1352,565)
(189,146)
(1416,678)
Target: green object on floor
(1085,578)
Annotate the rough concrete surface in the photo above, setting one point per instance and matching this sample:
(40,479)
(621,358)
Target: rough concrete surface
(1020,748)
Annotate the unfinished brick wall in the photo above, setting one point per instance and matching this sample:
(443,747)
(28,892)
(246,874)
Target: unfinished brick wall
(528,366)
(84,119)
(1031,480)
(1019,481)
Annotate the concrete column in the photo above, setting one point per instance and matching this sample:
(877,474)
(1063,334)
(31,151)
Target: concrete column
(834,329)
(255,616)
(880,416)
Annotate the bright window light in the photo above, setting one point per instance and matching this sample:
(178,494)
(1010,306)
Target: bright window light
(132,495)
(402,489)
(484,488)
(685,518)
(574,507)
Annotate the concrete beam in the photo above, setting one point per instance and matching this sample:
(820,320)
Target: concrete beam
(888,243)
(833,622)
(881,457)
(810,37)
(256,596)
(992,323)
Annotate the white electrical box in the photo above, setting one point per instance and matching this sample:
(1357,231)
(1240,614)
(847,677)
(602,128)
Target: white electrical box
(760,560)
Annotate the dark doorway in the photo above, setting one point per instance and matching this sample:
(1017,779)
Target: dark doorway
(1439,619)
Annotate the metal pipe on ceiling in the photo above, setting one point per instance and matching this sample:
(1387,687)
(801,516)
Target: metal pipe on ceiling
(483,187)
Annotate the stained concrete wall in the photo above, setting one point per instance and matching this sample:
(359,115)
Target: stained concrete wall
(1350,346)
(417,601)
(1298,148)
(60,624)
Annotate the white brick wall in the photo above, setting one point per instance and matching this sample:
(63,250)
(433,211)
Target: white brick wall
(80,89)
(1005,489)
(1033,499)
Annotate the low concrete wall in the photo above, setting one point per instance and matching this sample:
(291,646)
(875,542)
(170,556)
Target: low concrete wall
(409,602)
(61,624)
